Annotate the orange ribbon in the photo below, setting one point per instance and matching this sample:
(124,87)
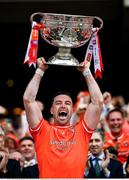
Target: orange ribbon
(31,54)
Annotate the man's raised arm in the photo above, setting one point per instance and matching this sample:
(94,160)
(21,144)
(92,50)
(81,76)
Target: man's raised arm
(33,112)
(92,114)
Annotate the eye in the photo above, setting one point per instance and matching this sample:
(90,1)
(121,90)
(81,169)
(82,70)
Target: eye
(68,103)
(58,102)
(97,140)
(112,120)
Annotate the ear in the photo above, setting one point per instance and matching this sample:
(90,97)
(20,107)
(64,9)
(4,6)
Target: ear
(51,110)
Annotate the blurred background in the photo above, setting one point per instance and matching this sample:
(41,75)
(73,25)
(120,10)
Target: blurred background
(15,30)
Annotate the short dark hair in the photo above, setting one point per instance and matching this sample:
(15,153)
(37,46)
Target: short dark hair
(115,110)
(101,133)
(26,138)
(61,93)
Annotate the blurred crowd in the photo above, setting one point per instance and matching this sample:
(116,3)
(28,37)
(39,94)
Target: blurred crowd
(108,148)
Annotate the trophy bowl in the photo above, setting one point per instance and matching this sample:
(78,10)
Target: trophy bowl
(65,32)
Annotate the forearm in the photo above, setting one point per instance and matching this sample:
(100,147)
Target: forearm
(4,161)
(94,90)
(92,114)
(33,86)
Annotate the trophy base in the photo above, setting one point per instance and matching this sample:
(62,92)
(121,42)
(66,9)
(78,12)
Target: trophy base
(63,58)
(62,62)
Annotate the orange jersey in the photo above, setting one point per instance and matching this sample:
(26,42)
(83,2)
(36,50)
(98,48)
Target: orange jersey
(61,151)
(121,144)
(125,126)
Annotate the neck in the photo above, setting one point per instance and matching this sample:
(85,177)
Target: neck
(97,155)
(29,159)
(56,123)
(116,135)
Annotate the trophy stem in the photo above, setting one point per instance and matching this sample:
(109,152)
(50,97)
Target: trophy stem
(64,53)
(63,57)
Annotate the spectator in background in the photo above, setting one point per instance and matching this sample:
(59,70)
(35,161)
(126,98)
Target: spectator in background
(9,168)
(3,154)
(3,113)
(11,142)
(99,164)
(2,137)
(83,100)
(27,149)
(118,101)
(3,161)
(17,122)
(107,106)
(116,137)
(24,127)
(5,120)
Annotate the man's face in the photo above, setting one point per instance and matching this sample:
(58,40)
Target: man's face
(115,122)
(27,149)
(62,109)
(96,144)
(11,144)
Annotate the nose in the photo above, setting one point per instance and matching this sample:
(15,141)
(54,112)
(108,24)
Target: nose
(26,147)
(93,143)
(116,121)
(63,104)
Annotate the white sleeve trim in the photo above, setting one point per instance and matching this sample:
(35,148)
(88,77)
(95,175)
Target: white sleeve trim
(37,129)
(89,131)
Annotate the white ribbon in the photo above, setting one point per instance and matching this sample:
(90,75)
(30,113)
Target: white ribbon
(93,49)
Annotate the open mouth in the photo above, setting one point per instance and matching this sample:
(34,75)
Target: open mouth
(62,114)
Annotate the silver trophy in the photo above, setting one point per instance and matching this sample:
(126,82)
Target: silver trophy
(65,32)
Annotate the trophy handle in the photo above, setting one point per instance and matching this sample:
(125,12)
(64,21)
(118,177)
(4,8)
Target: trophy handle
(100,20)
(35,14)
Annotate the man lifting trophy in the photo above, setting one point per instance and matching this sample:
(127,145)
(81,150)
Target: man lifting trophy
(61,144)
(65,32)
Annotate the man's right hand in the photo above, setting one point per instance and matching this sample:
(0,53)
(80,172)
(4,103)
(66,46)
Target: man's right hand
(41,63)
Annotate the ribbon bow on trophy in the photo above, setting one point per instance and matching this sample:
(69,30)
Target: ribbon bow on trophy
(94,49)
(31,54)
(66,32)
